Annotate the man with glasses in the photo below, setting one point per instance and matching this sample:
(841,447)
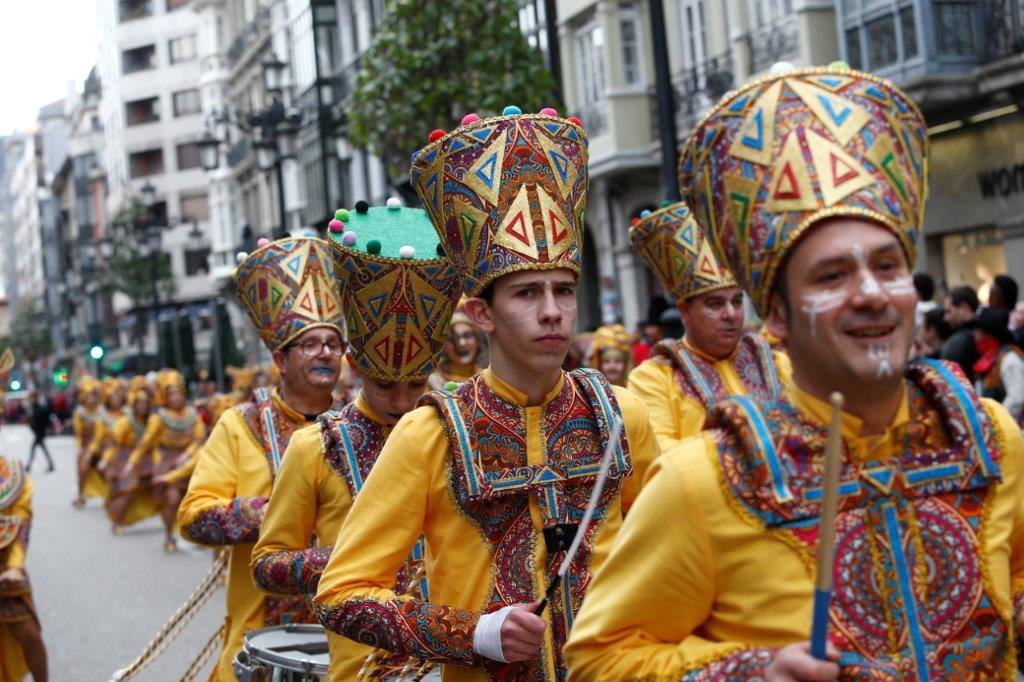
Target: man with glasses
(288,288)
(398,299)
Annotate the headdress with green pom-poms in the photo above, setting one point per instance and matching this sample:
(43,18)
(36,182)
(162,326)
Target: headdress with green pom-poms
(400,289)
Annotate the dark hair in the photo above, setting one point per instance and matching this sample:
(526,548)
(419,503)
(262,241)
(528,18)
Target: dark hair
(925,285)
(936,319)
(1007,289)
(487,294)
(964,295)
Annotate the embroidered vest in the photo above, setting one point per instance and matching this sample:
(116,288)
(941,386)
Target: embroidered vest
(910,598)
(491,482)
(12,482)
(268,426)
(697,378)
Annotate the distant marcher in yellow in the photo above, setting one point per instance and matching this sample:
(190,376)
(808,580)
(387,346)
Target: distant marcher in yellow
(83,422)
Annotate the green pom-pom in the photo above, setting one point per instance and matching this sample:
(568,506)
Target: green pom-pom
(341,214)
(451,386)
(839,64)
(666,203)
(373,246)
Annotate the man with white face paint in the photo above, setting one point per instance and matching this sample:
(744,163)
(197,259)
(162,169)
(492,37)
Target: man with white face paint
(288,289)
(812,182)
(685,377)
(495,473)
(391,270)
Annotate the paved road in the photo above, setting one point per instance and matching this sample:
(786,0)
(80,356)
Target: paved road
(101,598)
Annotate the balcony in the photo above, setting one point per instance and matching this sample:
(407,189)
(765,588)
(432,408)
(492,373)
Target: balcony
(253,32)
(129,10)
(239,152)
(773,42)
(699,86)
(595,117)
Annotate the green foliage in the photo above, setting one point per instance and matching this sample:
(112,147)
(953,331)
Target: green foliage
(428,68)
(30,331)
(130,270)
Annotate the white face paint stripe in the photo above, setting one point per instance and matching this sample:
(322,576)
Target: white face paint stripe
(869,286)
(901,286)
(821,302)
(881,353)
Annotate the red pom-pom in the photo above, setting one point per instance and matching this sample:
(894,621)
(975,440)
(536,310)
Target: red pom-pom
(436,135)
(576,120)
(634,221)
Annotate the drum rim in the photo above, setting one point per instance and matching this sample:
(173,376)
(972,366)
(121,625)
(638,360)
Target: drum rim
(290,664)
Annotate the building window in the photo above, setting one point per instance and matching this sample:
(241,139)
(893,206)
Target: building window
(188,156)
(691,17)
(954,28)
(197,261)
(143,164)
(127,10)
(176,4)
(853,56)
(186,102)
(768,11)
(138,59)
(881,35)
(142,111)
(632,55)
(909,29)
(590,64)
(196,208)
(378,8)
(182,49)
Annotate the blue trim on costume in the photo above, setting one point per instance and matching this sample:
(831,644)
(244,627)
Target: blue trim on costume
(967,407)
(764,441)
(819,623)
(768,360)
(467,452)
(910,605)
(350,455)
(845,489)
(702,385)
(297,567)
(934,473)
(609,415)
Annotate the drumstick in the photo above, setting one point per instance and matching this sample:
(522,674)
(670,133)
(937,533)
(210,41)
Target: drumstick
(827,531)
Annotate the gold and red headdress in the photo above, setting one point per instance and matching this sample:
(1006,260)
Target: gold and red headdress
(506,193)
(400,289)
(675,247)
(610,337)
(288,287)
(788,150)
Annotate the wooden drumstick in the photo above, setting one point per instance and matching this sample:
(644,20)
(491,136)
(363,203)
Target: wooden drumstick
(827,530)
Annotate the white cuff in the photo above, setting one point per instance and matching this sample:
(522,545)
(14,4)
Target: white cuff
(487,635)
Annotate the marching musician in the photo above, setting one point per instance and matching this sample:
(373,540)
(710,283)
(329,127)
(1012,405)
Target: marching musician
(812,183)
(495,472)
(288,289)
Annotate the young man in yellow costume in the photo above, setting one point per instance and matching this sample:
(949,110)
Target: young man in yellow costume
(812,184)
(289,291)
(611,353)
(21,640)
(396,309)
(684,378)
(131,490)
(495,472)
(173,434)
(83,423)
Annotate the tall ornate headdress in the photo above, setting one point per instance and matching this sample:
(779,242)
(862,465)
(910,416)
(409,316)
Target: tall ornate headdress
(288,287)
(506,193)
(611,337)
(166,379)
(400,289)
(674,246)
(788,150)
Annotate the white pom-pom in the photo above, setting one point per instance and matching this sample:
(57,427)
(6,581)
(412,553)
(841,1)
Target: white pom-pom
(407,252)
(394,203)
(241,256)
(780,68)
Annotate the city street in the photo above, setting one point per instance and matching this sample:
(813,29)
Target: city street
(100,597)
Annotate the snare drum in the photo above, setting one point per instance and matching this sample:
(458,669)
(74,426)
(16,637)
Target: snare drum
(285,653)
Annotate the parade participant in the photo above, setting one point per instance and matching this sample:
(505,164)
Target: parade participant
(131,496)
(112,399)
(83,422)
(288,289)
(812,183)
(684,378)
(395,342)
(173,433)
(461,351)
(495,472)
(21,639)
(611,353)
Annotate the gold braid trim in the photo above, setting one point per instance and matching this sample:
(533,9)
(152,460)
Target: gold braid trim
(920,565)
(883,586)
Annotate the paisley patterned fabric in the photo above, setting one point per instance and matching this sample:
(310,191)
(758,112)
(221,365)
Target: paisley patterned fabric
(696,376)
(12,480)
(235,524)
(910,598)
(747,665)
(269,426)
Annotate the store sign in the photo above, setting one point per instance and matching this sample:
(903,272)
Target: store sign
(1001,181)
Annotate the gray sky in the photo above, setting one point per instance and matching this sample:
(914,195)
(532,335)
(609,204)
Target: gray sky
(43,45)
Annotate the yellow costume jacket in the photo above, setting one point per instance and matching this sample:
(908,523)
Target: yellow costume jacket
(490,483)
(170,439)
(679,384)
(15,597)
(714,568)
(225,503)
(324,468)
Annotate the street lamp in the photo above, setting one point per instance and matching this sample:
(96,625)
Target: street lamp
(266,155)
(209,152)
(287,140)
(273,70)
(148,192)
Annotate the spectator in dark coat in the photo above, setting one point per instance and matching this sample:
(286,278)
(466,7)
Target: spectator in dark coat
(39,421)
(961,306)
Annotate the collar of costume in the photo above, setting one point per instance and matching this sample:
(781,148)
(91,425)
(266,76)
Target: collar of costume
(352,438)
(506,194)
(788,150)
(367,411)
(288,287)
(271,423)
(399,289)
(512,394)
(676,249)
(698,375)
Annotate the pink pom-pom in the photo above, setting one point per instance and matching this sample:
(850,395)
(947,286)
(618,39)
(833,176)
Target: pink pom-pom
(335,225)
(435,135)
(349,238)
(548,111)
(469,118)
(262,241)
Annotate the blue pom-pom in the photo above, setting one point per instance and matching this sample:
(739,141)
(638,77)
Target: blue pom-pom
(644,213)
(511,110)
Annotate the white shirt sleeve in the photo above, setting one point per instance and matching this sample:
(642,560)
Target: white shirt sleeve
(1011,371)
(487,636)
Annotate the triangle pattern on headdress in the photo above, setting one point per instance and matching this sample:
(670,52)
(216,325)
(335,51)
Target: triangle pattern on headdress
(756,138)
(329,304)
(516,230)
(706,266)
(882,155)
(472,224)
(742,194)
(277,295)
(686,236)
(482,134)
(294,264)
(305,304)
(842,117)
(839,174)
(790,188)
(557,232)
(832,82)
(415,347)
(565,172)
(484,176)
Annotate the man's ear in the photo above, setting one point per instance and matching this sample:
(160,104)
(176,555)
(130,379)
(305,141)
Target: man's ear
(280,359)
(481,313)
(777,320)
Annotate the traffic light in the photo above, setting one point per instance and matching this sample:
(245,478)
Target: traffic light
(60,377)
(96,352)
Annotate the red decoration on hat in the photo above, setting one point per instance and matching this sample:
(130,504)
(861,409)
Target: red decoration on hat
(576,120)
(436,135)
